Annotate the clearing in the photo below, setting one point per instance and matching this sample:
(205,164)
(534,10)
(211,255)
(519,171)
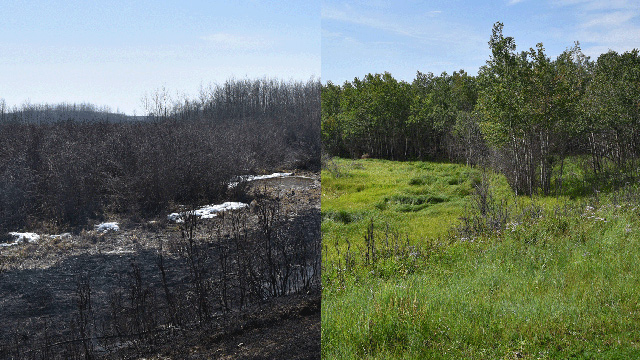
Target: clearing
(432,260)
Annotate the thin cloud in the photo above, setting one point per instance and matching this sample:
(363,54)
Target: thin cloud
(329,13)
(335,37)
(414,28)
(513,2)
(405,40)
(609,19)
(228,41)
(610,24)
(619,39)
(422,32)
(591,5)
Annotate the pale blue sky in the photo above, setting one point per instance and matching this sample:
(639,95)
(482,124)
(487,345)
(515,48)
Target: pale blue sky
(404,36)
(110,53)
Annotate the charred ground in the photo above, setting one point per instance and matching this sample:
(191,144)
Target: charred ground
(243,285)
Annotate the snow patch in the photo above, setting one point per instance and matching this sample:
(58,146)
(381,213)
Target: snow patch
(119,251)
(209,211)
(61,236)
(108,226)
(257,177)
(21,237)
(176,217)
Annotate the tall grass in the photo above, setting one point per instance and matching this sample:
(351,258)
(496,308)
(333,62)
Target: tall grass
(558,279)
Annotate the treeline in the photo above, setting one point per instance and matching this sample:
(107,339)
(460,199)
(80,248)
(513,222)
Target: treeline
(523,114)
(44,113)
(66,172)
(382,117)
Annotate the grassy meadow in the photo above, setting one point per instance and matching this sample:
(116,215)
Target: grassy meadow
(418,263)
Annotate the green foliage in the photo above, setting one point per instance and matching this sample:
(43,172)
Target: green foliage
(379,116)
(611,110)
(342,216)
(445,261)
(556,281)
(379,188)
(526,103)
(523,115)
(412,202)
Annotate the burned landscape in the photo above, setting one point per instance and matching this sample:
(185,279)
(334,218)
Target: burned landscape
(240,283)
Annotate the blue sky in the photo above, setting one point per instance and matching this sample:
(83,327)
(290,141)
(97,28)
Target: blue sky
(404,36)
(110,53)
(114,53)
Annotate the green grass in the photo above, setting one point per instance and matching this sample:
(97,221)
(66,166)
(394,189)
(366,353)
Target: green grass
(565,284)
(418,199)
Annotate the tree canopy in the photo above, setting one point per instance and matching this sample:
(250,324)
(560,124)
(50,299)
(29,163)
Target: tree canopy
(524,114)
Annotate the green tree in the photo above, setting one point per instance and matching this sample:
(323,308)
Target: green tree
(331,126)
(503,104)
(611,109)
